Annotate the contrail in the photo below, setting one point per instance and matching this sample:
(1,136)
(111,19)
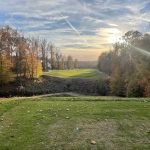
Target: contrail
(73,28)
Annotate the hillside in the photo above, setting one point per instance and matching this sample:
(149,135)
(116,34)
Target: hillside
(77,73)
(73,123)
(81,81)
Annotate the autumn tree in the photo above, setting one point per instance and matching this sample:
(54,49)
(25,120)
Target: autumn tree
(128,65)
(27,57)
(75,63)
(45,54)
(52,57)
(117,83)
(33,62)
(70,63)
(5,69)
(5,55)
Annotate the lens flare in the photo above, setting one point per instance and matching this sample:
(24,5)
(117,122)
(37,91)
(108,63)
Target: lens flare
(140,50)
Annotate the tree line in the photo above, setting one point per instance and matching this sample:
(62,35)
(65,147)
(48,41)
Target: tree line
(28,57)
(128,65)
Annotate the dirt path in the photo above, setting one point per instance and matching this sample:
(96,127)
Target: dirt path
(46,95)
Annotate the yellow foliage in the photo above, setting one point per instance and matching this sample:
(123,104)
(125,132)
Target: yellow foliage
(5,69)
(33,67)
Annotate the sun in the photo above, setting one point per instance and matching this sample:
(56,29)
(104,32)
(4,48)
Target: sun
(114,38)
(115,35)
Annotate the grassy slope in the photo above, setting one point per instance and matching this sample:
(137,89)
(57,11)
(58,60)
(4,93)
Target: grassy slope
(76,73)
(41,123)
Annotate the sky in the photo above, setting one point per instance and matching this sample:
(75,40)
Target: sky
(81,28)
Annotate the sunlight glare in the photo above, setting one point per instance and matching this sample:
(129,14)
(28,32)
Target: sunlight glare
(114,35)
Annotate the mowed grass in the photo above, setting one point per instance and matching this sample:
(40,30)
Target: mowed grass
(59,123)
(76,73)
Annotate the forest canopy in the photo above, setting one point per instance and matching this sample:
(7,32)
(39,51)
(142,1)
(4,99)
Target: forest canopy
(28,57)
(128,65)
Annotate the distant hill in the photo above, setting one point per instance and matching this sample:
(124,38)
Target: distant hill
(87,64)
(77,73)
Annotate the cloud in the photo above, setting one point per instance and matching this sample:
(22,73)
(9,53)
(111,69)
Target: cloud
(114,25)
(77,26)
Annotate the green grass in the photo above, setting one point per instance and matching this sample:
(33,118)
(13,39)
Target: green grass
(72,122)
(77,73)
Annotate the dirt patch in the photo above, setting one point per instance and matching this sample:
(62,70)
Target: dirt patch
(71,135)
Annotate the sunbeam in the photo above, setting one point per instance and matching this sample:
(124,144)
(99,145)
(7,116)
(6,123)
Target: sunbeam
(140,50)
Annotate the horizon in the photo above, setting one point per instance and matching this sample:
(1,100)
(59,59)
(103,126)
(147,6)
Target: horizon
(83,29)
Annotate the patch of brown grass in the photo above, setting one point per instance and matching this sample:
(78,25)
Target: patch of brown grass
(70,134)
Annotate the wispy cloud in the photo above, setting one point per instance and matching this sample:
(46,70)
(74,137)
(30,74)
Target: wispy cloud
(77,25)
(74,29)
